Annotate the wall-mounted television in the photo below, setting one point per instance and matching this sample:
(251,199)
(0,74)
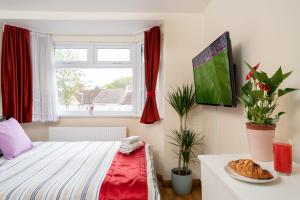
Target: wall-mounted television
(214,74)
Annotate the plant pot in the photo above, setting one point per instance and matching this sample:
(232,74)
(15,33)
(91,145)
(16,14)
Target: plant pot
(260,141)
(181,184)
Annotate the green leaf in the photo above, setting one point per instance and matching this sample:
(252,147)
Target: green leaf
(276,118)
(249,66)
(285,91)
(272,108)
(247,87)
(246,99)
(252,112)
(272,89)
(182,99)
(280,113)
(258,76)
(270,98)
(277,78)
(261,76)
(249,116)
(284,76)
(264,76)
(256,94)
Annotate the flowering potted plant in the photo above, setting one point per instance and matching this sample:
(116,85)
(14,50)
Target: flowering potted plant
(259,96)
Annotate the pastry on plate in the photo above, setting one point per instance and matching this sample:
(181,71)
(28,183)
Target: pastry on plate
(248,168)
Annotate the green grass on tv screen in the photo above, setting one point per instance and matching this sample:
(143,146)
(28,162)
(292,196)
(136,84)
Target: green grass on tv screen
(212,81)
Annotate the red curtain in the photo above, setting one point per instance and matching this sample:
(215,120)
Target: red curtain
(16,74)
(152,58)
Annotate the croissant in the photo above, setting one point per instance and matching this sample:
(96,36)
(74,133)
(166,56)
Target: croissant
(248,168)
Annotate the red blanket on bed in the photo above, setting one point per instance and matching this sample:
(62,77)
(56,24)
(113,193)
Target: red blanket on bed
(127,177)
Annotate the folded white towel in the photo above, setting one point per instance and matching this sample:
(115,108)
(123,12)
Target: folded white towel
(130,140)
(127,149)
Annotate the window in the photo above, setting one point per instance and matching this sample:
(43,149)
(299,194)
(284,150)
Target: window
(71,55)
(99,79)
(121,55)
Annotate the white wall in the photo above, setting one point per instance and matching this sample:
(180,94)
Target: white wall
(261,31)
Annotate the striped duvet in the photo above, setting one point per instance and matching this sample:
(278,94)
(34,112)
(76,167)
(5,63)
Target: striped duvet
(63,170)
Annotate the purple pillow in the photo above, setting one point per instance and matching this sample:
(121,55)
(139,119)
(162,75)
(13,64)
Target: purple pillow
(13,139)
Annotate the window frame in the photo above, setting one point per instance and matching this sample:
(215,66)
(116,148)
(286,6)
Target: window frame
(93,63)
(115,46)
(74,46)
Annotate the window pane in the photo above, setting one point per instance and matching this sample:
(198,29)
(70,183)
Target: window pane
(101,89)
(71,55)
(113,55)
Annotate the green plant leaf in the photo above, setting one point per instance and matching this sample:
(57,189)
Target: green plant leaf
(247,87)
(243,101)
(256,94)
(249,66)
(247,100)
(277,78)
(280,113)
(249,116)
(285,91)
(276,118)
(182,99)
(176,101)
(190,140)
(284,76)
(261,76)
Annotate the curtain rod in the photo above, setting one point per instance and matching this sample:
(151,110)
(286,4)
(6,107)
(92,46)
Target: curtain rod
(136,33)
(145,29)
(3,25)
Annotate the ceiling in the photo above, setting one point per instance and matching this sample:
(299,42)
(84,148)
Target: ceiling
(189,6)
(87,27)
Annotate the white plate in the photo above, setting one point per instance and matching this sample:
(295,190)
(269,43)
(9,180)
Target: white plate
(235,175)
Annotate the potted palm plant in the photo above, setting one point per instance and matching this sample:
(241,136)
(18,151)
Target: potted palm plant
(259,96)
(185,140)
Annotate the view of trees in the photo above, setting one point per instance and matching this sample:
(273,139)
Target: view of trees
(119,83)
(69,83)
(71,54)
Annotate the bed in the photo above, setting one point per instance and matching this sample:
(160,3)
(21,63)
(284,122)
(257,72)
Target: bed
(65,170)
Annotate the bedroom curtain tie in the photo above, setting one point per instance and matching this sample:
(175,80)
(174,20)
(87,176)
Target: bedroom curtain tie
(151,94)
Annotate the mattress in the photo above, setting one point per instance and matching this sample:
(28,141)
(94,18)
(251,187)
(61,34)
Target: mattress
(64,170)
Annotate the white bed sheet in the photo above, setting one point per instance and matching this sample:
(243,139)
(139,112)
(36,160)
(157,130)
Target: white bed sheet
(64,170)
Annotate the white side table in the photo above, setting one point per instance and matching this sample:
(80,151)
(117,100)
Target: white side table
(217,185)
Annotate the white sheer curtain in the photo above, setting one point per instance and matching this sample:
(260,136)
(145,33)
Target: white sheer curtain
(44,78)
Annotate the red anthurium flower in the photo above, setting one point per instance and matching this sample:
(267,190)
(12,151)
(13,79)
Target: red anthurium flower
(250,74)
(263,86)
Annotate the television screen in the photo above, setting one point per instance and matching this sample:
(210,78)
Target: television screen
(214,74)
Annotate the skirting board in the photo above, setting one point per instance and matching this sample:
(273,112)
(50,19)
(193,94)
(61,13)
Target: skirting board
(167,183)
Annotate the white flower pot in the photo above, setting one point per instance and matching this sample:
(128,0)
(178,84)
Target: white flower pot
(260,141)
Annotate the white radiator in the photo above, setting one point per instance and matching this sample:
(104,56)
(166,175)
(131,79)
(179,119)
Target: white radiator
(87,133)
